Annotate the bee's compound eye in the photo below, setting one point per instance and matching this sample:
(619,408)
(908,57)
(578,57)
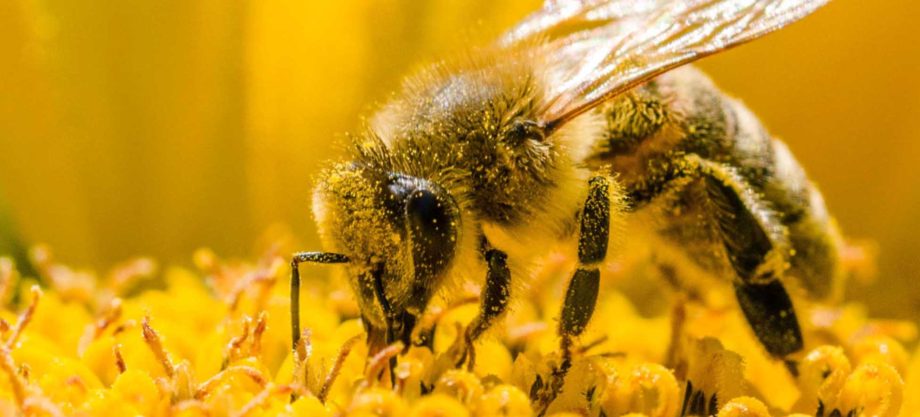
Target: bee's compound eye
(432,225)
(422,203)
(429,217)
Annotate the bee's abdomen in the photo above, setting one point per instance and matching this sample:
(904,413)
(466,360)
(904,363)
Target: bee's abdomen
(654,129)
(812,232)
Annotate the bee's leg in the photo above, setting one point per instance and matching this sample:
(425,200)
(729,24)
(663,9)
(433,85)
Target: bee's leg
(757,257)
(296,260)
(493,301)
(581,295)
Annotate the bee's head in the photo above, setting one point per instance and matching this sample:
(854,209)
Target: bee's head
(399,233)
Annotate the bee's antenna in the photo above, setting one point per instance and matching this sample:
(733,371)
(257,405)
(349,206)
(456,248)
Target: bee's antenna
(296,260)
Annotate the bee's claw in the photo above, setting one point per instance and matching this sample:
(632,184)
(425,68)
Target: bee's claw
(471,363)
(464,351)
(469,352)
(461,359)
(544,394)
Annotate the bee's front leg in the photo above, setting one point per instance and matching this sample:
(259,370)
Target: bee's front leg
(297,259)
(581,295)
(493,301)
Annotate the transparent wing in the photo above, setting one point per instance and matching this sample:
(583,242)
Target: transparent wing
(597,49)
(570,15)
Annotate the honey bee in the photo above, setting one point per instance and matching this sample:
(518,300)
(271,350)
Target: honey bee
(582,117)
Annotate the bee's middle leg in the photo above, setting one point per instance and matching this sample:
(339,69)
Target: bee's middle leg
(581,295)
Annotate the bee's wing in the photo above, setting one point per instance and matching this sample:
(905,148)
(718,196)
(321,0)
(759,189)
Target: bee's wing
(596,49)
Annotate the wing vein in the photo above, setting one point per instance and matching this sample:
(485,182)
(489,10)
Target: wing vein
(596,49)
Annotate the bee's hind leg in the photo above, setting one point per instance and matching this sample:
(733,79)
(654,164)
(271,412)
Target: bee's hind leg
(493,301)
(581,295)
(757,257)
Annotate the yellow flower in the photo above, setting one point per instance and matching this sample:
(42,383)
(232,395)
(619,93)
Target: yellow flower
(216,342)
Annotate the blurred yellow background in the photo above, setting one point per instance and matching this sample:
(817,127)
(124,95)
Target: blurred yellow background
(159,126)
